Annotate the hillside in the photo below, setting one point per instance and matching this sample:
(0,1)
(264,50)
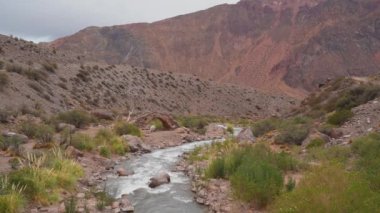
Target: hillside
(278,46)
(40,78)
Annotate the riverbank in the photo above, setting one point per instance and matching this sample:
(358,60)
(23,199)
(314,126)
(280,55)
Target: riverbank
(99,169)
(215,194)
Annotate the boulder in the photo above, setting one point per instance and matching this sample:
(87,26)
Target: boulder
(135,144)
(336,133)
(160,179)
(73,152)
(215,131)
(246,135)
(63,126)
(182,130)
(21,137)
(314,134)
(103,114)
(125,205)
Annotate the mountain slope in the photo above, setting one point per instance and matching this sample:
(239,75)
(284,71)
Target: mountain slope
(282,46)
(40,78)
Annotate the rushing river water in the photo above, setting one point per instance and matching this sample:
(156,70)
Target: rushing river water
(175,197)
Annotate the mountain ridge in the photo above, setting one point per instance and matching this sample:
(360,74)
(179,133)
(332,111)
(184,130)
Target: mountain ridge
(275,46)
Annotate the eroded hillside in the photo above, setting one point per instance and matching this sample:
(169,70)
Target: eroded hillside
(42,78)
(279,46)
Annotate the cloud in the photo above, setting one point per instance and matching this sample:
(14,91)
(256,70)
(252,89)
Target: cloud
(45,20)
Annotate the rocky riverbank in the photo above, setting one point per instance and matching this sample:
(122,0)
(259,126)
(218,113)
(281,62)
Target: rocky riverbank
(215,193)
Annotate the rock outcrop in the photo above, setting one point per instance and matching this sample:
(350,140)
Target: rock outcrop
(135,144)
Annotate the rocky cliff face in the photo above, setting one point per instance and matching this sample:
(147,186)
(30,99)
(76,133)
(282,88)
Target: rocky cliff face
(280,46)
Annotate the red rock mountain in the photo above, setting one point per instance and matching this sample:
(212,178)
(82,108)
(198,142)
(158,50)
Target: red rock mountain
(287,46)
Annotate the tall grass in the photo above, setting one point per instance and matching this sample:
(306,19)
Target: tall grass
(367,151)
(45,176)
(329,188)
(82,142)
(255,172)
(11,199)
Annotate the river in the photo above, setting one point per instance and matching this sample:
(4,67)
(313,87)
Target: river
(175,197)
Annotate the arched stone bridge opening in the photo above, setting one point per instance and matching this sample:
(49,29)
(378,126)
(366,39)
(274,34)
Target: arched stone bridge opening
(167,121)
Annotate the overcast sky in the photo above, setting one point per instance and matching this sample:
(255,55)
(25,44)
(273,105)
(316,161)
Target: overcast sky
(45,20)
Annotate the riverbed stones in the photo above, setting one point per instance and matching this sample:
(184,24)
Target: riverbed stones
(159,179)
(123,172)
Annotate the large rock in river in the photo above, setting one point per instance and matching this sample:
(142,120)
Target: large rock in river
(158,180)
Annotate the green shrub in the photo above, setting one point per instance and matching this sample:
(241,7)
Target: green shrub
(103,200)
(76,117)
(13,143)
(104,151)
(216,169)
(357,96)
(66,171)
(82,142)
(290,185)
(46,176)
(316,142)
(340,117)
(110,143)
(294,134)
(255,172)
(11,199)
(4,115)
(71,205)
(196,155)
(35,75)
(195,123)
(15,68)
(123,128)
(117,146)
(11,203)
(38,182)
(367,150)
(329,189)
(50,67)
(42,132)
(257,181)
(339,154)
(230,129)
(262,127)
(4,81)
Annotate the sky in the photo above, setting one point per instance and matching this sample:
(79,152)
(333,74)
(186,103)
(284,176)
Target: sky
(46,20)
